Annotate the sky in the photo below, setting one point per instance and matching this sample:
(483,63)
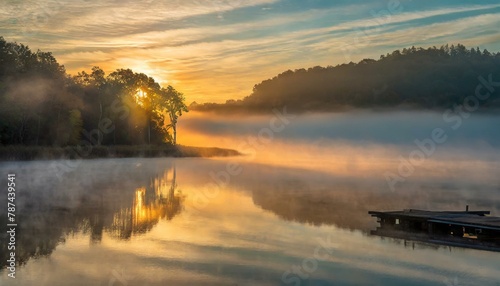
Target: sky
(218,50)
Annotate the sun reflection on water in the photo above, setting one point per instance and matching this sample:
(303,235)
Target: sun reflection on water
(160,200)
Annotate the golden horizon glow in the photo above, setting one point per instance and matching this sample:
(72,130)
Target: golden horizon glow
(213,51)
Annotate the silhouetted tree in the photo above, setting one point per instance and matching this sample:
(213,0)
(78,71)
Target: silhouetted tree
(173,105)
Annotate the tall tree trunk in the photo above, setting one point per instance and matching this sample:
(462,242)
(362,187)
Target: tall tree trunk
(57,125)
(98,123)
(38,130)
(21,131)
(173,122)
(175,133)
(149,130)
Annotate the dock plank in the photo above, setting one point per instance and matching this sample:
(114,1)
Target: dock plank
(460,218)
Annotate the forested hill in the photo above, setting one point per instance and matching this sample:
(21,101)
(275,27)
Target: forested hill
(42,105)
(432,78)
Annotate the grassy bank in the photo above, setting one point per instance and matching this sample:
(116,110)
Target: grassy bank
(26,153)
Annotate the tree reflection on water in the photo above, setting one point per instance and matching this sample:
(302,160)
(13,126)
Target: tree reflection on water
(121,213)
(159,200)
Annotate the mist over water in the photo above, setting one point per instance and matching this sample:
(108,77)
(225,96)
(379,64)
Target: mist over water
(186,223)
(355,127)
(358,151)
(360,144)
(190,221)
(375,126)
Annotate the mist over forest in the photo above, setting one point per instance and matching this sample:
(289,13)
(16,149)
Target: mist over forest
(42,105)
(414,78)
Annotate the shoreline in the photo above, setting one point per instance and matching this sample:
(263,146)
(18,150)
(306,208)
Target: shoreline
(32,153)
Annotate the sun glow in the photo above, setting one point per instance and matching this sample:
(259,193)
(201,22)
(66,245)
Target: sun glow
(141,93)
(140,96)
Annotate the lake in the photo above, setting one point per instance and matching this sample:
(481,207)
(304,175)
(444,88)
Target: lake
(292,211)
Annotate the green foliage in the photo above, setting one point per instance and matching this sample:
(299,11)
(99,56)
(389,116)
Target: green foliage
(41,105)
(75,119)
(414,77)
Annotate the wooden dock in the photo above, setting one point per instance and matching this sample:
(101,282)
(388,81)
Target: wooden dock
(459,228)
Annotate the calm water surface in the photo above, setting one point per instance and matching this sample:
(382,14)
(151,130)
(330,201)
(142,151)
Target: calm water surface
(191,222)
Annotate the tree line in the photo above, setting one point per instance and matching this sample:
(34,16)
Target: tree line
(432,78)
(42,105)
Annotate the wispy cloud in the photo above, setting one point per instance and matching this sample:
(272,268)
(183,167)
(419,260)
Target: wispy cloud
(215,50)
